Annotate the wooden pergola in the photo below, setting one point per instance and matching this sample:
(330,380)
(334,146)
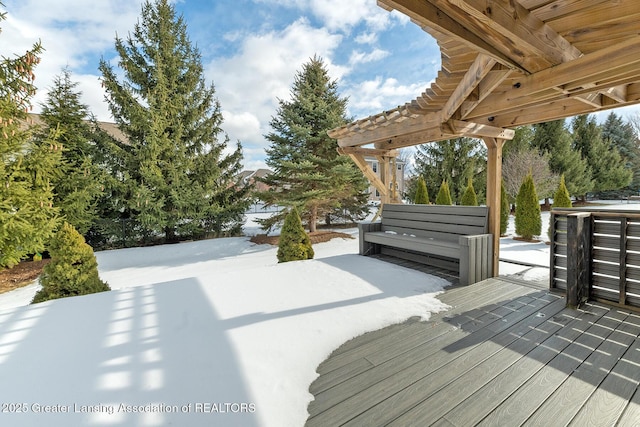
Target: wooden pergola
(505,63)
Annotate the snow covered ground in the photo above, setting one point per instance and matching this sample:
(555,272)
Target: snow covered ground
(209,333)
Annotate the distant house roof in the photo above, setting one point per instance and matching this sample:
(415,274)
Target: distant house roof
(109,127)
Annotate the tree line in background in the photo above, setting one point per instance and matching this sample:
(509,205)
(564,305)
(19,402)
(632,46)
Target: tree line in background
(543,161)
(597,160)
(167,173)
(172,175)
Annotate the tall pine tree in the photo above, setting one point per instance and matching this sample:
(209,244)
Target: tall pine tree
(620,134)
(177,180)
(306,169)
(608,170)
(554,138)
(27,215)
(78,181)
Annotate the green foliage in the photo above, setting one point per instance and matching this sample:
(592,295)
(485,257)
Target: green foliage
(73,269)
(27,215)
(307,170)
(294,243)
(620,134)
(422,195)
(469,197)
(174,175)
(78,180)
(444,195)
(609,171)
(528,219)
(553,138)
(455,161)
(505,209)
(561,198)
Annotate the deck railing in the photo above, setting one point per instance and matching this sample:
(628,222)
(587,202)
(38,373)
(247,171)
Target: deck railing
(595,254)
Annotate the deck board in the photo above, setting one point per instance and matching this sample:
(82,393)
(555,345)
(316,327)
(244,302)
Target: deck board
(503,354)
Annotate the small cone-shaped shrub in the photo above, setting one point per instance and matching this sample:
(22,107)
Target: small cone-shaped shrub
(422,195)
(528,220)
(73,269)
(561,199)
(294,242)
(469,198)
(505,209)
(444,195)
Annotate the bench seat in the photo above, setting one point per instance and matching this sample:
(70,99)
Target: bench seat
(450,237)
(411,242)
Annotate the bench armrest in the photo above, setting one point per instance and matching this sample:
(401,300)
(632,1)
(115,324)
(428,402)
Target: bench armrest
(367,248)
(476,258)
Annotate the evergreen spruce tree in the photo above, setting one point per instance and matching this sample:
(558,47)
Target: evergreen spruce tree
(307,170)
(78,181)
(444,195)
(176,179)
(528,219)
(553,138)
(469,197)
(505,209)
(294,243)
(620,134)
(455,161)
(609,171)
(73,269)
(27,215)
(422,195)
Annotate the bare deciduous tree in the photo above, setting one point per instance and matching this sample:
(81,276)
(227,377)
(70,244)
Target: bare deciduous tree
(518,164)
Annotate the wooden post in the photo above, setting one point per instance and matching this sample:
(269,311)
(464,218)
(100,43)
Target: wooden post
(494,181)
(383,167)
(622,286)
(578,258)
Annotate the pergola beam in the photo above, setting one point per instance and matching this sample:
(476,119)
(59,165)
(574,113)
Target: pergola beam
(431,17)
(477,72)
(526,35)
(595,72)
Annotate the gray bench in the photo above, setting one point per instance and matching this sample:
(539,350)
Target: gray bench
(450,237)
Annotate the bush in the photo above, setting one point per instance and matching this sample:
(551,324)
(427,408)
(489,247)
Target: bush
(528,220)
(422,195)
(561,198)
(469,198)
(444,195)
(294,242)
(73,269)
(505,209)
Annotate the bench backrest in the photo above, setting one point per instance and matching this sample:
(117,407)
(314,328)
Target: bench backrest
(435,221)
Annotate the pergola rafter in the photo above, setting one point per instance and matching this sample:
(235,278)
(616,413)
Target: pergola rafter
(505,63)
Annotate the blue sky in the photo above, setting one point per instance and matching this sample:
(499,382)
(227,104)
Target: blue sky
(251,50)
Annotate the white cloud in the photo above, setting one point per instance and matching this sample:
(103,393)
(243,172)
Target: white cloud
(244,126)
(367,38)
(373,96)
(342,15)
(358,57)
(74,33)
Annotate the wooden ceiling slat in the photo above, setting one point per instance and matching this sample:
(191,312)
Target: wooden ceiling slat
(609,11)
(560,8)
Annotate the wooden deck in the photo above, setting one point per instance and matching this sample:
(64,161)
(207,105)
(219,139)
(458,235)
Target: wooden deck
(505,354)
